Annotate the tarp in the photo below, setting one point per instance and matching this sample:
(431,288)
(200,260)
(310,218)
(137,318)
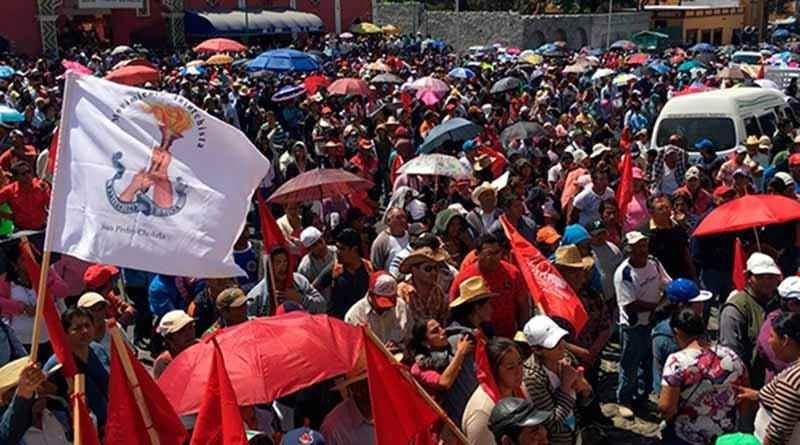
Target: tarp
(231,23)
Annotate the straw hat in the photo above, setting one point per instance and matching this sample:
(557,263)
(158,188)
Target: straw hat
(570,256)
(472,290)
(9,374)
(481,189)
(482,162)
(421,255)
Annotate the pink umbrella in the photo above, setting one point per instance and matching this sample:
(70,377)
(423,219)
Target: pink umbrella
(430,83)
(266,358)
(349,86)
(429,97)
(71,65)
(317,184)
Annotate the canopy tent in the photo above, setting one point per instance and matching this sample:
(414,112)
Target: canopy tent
(232,23)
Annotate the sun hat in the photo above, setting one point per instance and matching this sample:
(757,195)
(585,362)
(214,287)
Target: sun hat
(786,178)
(570,256)
(421,255)
(542,331)
(231,297)
(471,290)
(481,189)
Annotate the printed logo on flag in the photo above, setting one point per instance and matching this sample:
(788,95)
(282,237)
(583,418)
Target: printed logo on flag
(176,125)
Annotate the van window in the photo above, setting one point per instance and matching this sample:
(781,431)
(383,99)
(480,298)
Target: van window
(768,124)
(720,130)
(751,127)
(750,59)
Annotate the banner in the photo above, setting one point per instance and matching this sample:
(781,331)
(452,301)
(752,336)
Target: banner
(110,4)
(147,180)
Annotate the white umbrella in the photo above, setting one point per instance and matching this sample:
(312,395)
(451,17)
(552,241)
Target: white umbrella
(602,72)
(436,165)
(624,78)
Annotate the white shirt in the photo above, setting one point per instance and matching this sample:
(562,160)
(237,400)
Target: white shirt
(639,284)
(392,325)
(668,181)
(22,324)
(588,202)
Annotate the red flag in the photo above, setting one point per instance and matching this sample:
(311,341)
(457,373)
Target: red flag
(545,284)
(273,237)
(738,265)
(761,72)
(407,100)
(624,193)
(484,370)
(126,424)
(219,421)
(399,410)
(87,435)
(58,339)
(52,152)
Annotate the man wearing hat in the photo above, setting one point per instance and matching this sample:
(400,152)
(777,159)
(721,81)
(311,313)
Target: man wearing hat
(638,283)
(743,313)
(391,240)
(97,307)
(484,215)
(100,278)
(421,289)
(586,204)
(667,172)
(388,317)
(515,421)
(701,198)
(19,151)
(789,291)
(725,174)
(319,254)
(351,421)
(513,209)
(231,305)
(178,330)
(303,436)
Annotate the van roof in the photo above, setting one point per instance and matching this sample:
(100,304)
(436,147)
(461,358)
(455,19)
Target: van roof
(725,101)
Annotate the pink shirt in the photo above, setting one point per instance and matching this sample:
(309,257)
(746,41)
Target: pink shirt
(637,213)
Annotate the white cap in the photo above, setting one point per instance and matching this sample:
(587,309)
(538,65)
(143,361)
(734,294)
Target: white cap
(692,172)
(579,155)
(790,288)
(542,331)
(90,299)
(786,178)
(759,264)
(309,236)
(173,321)
(703,296)
(634,237)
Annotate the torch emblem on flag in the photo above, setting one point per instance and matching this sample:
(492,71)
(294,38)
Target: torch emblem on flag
(151,191)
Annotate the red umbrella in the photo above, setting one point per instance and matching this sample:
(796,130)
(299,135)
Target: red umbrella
(266,358)
(319,183)
(749,212)
(134,75)
(638,59)
(691,89)
(75,66)
(219,46)
(349,86)
(313,83)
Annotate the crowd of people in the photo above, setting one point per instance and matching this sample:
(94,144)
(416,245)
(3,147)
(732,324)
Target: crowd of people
(425,262)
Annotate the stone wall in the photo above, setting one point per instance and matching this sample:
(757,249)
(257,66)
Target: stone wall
(468,28)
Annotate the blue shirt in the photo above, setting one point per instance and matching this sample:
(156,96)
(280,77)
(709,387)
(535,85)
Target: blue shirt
(10,346)
(664,344)
(96,371)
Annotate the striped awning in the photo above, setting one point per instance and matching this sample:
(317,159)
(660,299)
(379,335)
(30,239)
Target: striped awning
(231,23)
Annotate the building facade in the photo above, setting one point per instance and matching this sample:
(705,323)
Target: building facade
(693,22)
(37,27)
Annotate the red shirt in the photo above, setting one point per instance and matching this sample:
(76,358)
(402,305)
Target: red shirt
(29,205)
(9,157)
(506,281)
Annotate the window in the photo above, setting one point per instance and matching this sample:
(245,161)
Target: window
(706,36)
(767,122)
(144,11)
(693,129)
(751,127)
(718,36)
(691,37)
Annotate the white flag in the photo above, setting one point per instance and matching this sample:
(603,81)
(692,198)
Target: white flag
(147,180)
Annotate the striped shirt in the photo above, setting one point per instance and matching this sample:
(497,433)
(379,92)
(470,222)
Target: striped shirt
(545,397)
(781,397)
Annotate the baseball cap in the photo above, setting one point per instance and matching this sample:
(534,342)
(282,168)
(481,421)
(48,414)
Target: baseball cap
(762,264)
(596,226)
(303,436)
(309,236)
(692,172)
(786,178)
(682,290)
(704,144)
(542,331)
(634,237)
(231,297)
(383,289)
(468,145)
(173,321)
(794,159)
(721,191)
(90,299)
(790,288)
(98,275)
(740,149)
(547,235)
(515,413)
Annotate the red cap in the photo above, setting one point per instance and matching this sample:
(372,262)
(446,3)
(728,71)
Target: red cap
(794,159)
(382,290)
(401,132)
(98,275)
(721,191)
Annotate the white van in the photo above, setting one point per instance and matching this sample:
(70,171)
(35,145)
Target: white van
(726,117)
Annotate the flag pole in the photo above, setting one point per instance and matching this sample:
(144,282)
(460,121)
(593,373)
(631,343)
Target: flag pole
(133,381)
(428,399)
(80,382)
(37,321)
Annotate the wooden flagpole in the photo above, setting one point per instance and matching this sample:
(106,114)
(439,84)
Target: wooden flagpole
(37,321)
(444,417)
(80,383)
(133,381)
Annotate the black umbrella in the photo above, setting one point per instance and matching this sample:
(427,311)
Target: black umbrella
(386,78)
(506,84)
(706,58)
(520,130)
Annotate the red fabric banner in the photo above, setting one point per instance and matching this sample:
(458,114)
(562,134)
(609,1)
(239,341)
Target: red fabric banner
(738,265)
(545,284)
(273,237)
(624,193)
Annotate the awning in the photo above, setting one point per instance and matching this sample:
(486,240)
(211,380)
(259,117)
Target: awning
(252,22)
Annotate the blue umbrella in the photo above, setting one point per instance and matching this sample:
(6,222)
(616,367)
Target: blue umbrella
(288,92)
(457,129)
(6,71)
(659,67)
(192,71)
(689,65)
(547,48)
(284,60)
(780,33)
(461,73)
(9,115)
(703,48)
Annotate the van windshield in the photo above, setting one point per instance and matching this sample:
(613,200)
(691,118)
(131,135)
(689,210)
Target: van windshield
(720,130)
(750,59)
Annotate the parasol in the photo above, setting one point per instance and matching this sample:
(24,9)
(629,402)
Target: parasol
(436,164)
(133,75)
(288,92)
(749,212)
(457,129)
(317,184)
(283,61)
(506,84)
(219,46)
(386,78)
(219,59)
